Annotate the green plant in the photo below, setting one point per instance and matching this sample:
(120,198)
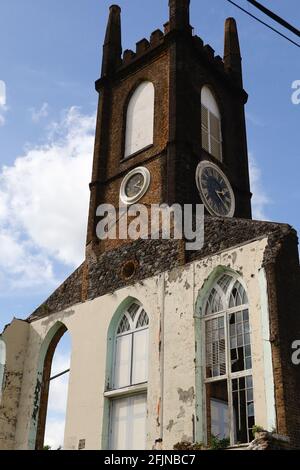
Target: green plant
(256,429)
(219,444)
(189,446)
(47,448)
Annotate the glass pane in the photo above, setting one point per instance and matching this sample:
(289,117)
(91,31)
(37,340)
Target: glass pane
(248,363)
(143,320)
(218,411)
(246,315)
(124,325)
(128,423)
(133,310)
(239,342)
(214,303)
(137,430)
(238,296)
(140,357)
(224,282)
(122,361)
(119,424)
(243,409)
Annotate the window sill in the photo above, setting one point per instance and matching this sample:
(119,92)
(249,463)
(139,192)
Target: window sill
(135,154)
(133,389)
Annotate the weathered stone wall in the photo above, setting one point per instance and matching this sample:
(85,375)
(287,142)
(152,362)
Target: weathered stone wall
(103,274)
(15,337)
(175,402)
(283,278)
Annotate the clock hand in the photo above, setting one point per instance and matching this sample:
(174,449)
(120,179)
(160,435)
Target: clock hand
(218,194)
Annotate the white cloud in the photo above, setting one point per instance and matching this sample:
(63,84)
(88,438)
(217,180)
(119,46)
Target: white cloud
(260,198)
(3,107)
(54,435)
(38,114)
(58,394)
(57,402)
(44,204)
(61,362)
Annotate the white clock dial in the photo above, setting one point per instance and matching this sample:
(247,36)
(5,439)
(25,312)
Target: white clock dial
(135,185)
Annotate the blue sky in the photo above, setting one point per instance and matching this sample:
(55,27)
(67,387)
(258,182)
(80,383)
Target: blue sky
(50,55)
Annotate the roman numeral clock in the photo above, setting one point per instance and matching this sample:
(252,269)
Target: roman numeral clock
(215,190)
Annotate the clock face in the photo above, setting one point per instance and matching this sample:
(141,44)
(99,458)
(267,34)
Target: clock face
(215,190)
(135,185)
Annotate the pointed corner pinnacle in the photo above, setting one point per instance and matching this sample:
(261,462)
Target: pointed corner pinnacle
(180,15)
(112,49)
(232,52)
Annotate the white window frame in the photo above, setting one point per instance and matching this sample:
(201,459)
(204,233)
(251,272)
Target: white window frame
(208,101)
(140,136)
(131,390)
(229,376)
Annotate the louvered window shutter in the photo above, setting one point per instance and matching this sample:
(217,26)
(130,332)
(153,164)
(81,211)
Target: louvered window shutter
(205,131)
(211,133)
(215,136)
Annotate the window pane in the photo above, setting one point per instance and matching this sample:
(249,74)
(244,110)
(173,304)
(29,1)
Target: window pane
(138,422)
(215,348)
(122,361)
(240,348)
(214,303)
(140,357)
(243,409)
(143,320)
(124,325)
(218,412)
(128,423)
(140,119)
(238,295)
(119,424)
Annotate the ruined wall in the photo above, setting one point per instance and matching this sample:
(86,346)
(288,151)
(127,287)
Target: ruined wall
(15,337)
(175,401)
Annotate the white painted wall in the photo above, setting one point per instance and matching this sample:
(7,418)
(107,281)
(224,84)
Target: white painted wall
(2,364)
(175,390)
(140,119)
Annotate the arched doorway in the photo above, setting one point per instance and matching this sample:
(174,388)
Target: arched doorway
(54,390)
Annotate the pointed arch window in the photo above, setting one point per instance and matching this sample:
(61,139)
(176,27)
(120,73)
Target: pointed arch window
(131,348)
(128,396)
(140,119)
(228,361)
(211,124)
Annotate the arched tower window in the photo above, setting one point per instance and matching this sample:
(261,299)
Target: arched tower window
(2,364)
(211,124)
(140,119)
(128,397)
(228,361)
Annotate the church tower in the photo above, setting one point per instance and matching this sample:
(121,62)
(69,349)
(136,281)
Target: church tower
(170,347)
(166,107)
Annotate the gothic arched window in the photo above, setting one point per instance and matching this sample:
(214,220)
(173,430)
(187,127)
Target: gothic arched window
(228,361)
(131,348)
(211,124)
(140,119)
(128,397)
